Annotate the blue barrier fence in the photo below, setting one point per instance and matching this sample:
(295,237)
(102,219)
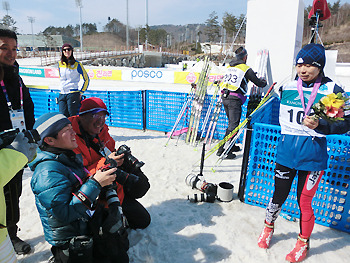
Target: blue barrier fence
(331,202)
(152,110)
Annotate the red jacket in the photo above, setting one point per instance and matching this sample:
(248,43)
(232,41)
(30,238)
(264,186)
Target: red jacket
(93,160)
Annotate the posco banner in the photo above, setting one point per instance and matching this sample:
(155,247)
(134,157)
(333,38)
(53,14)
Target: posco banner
(148,75)
(32,72)
(110,74)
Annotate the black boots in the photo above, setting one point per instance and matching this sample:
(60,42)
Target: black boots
(19,245)
(231,154)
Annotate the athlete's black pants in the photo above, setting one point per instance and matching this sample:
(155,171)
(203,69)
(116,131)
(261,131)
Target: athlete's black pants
(233,109)
(308,182)
(12,192)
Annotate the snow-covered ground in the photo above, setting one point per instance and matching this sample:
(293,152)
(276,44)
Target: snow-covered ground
(186,232)
(181,231)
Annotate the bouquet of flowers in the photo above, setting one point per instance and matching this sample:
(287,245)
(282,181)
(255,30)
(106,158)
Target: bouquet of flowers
(330,108)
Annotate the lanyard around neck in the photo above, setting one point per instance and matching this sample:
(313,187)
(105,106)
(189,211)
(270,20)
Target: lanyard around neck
(9,104)
(312,98)
(77,177)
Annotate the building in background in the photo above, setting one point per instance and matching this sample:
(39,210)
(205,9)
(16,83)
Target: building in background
(45,42)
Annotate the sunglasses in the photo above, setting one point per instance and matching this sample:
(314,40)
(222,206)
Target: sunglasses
(67,49)
(99,117)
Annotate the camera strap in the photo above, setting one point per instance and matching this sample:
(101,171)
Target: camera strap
(79,194)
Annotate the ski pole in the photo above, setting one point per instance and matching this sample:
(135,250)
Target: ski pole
(229,136)
(184,107)
(225,153)
(211,106)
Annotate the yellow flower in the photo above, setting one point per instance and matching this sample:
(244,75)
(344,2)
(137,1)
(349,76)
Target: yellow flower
(331,100)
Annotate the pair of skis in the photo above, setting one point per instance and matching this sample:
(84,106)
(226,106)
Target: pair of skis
(261,71)
(197,104)
(212,109)
(235,133)
(214,120)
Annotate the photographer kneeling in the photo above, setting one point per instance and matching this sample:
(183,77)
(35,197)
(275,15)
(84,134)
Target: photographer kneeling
(96,145)
(13,158)
(65,195)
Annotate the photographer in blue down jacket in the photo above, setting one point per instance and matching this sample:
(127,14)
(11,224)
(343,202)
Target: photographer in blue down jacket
(64,194)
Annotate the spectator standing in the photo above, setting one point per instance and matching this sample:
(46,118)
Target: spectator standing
(17,108)
(70,71)
(12,159)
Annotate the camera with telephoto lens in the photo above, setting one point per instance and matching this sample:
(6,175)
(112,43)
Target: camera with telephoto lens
(196,182)
(209,190)
(119,222)
(7,137)
(128,157)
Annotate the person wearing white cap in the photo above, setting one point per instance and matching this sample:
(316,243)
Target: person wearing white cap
(64,213)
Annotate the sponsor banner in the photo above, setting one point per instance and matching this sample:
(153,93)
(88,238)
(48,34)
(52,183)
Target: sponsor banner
(32,72)
(51,73)
(110,74)
(37,87)
(192,77)
(148,75)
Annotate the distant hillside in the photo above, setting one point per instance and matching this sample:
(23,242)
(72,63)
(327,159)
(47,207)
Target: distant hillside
(337,38)
(184,33)
(333,37)
(102,41)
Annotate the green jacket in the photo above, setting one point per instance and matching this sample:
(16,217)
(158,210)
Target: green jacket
(11,162)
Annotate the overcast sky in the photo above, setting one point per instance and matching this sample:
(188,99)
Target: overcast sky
(176,12)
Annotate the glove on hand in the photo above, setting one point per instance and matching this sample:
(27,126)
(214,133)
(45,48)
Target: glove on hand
(20,144)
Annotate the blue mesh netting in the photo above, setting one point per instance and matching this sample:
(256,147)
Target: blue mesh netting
(331,203)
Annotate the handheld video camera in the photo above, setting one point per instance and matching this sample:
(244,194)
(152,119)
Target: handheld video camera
(7,137)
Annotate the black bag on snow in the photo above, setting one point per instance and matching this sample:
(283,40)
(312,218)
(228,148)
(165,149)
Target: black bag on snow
(107,246)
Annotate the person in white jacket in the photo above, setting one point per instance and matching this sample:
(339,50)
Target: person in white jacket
(70,71)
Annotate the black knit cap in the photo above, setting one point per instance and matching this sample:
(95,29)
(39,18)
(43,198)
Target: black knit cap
(241,52)
(312,54)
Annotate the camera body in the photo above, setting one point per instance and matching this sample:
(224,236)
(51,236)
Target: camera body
(7,137)
(128,157)
(122,177)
